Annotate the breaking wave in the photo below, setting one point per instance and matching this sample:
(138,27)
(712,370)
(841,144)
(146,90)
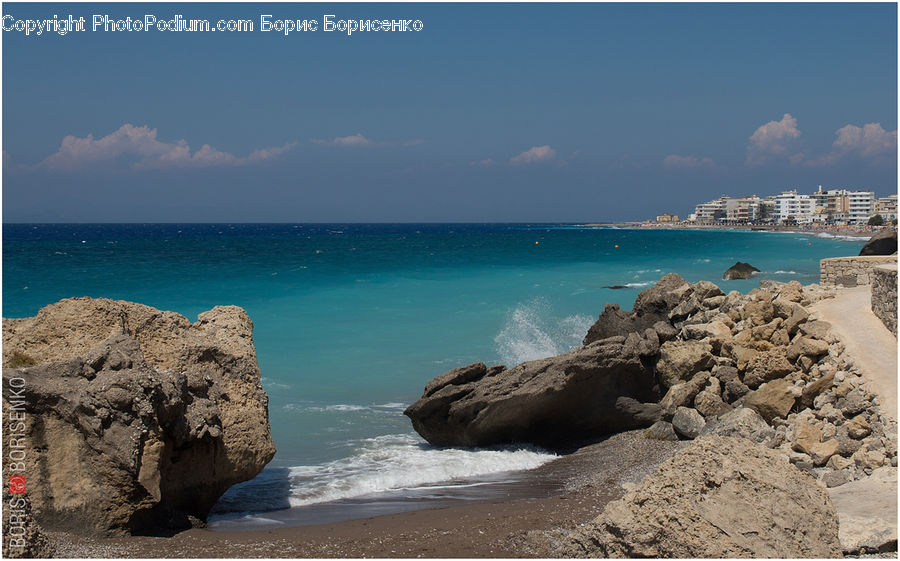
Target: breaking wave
(531,332)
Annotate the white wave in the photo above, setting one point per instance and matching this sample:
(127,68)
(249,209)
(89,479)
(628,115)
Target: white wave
(402,462)
(531,333)
(637,285)
(780,272)
(344,407)
(842,237)
(701,260)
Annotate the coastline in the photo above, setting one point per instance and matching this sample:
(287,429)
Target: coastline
(861,232)
(520,526)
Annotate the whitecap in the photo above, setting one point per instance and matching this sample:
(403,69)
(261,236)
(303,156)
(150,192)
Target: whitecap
(403,462)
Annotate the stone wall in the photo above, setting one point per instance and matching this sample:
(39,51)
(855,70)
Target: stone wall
(884,295)
(851,271)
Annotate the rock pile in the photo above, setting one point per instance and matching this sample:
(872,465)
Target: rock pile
(135,420)
(754,365)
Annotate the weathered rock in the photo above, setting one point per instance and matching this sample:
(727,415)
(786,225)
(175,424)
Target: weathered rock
(854,403)
(804,346)
(837,478)
(739,270)
(138,418)
(680,360)
(652,305)
(679,395)
(714,329)
(858,428)
(708,402)
(661,430)
(772,399)
(459,376)
(765,366)
(552,402)
(718,497)
(643,414)
(882,243)
(688,422)
(816,329)
(740,422)
(867,510)
(812,390)
(734,390)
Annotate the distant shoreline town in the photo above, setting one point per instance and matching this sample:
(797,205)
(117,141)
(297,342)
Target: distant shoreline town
(838,210)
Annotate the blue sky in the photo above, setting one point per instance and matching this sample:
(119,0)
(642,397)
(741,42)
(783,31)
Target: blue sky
(492,112)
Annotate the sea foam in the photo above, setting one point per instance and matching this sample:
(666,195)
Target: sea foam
(531,332)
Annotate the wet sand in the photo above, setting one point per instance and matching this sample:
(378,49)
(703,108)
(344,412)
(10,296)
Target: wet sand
(527,524)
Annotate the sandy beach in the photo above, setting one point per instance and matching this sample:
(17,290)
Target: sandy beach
(581,483)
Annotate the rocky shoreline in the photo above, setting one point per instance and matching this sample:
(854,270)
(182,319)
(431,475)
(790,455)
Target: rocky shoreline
(696,362)
(724,405)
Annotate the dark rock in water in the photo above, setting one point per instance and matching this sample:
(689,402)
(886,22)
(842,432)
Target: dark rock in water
(138,420)
(882,243)
(616,287)
(740,270)
(552,402)
(652,305)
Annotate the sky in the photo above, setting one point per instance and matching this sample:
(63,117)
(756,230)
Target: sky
(489,113)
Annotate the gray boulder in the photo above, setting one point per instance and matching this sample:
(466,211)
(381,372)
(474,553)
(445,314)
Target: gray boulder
(688,422)
(553,402)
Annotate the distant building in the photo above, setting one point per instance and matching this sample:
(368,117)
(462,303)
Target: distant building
(886,208)
(793,208)
(861,206)
(667,218)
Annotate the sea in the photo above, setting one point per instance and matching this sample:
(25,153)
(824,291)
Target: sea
(352,320)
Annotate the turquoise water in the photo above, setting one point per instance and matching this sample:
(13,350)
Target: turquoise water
(351,321)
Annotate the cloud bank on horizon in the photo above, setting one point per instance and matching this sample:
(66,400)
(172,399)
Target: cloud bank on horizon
(138,147)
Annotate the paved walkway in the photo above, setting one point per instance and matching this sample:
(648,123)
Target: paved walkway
(872,347)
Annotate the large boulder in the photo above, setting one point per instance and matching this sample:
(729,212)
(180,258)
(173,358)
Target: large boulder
(719,497)
(882,243)
(552,402)
(652,305)
(137,419)
(739,270)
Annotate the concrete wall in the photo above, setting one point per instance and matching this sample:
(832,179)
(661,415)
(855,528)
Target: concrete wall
(884,295)
(851,271)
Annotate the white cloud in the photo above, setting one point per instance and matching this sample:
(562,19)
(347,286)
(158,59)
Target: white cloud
(353,140)
(140,146)
(869,143)
(674,161)
(533,155)
(775,140)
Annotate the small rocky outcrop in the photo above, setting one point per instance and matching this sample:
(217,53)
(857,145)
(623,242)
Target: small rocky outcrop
(552,402)
(720,497)
(739,270)
(651,307)
(882,243)
(136,420)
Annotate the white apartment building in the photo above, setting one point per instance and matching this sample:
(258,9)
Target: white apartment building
(791,206)
(861,206)
(706,212)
